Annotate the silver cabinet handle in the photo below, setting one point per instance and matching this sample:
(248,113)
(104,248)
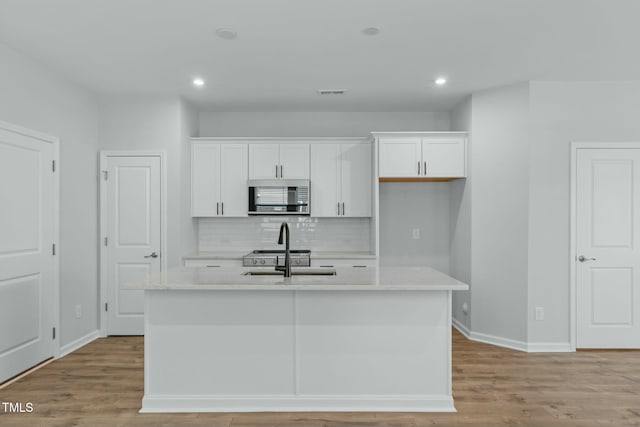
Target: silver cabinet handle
(281,172)
(583,258)
(152,255)
(342,208)
(222,205)
(425,168)
(217,208)
(418,168)
(338,208)
(276,171)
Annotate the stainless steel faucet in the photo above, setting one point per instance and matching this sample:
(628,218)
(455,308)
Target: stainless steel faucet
(286,268)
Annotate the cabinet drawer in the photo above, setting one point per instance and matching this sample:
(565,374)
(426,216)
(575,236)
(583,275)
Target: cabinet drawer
(193,263)
(342,262)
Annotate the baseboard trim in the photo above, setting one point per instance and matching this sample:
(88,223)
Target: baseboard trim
(549,347)
(355,403)
(461,327)
(531,347)
(499,341)
(80,342)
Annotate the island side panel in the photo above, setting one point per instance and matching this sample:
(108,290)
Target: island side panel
(367,344)
(218,343)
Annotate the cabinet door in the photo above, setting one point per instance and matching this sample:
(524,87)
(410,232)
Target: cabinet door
(205,179)
(294,159)
(325,179)
(356,179)
(233,179)
(444,156)
(263,160)
(400,156)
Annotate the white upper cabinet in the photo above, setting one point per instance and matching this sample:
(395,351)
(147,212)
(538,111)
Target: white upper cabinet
(437,155)
(218,179)
(282,161)
(341,179)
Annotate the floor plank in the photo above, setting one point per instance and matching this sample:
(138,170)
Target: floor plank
(102,385)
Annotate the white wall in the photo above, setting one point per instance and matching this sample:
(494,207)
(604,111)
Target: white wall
(35,98)
(461,219)
(561,113)
(152,123)
(318,123)
(188,226)
(421,205)
(499,244)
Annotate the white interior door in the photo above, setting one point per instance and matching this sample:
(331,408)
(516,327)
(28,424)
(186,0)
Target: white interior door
(133,240)
(607,239)
(26,252)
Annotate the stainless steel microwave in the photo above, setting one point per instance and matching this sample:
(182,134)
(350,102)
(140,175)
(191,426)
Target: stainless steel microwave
(279,197)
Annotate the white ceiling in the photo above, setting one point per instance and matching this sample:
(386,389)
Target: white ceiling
(287,49)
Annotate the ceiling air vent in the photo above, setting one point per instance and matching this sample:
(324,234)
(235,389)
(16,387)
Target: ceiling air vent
(331,91)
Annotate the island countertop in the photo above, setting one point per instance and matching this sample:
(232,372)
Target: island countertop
(345,279)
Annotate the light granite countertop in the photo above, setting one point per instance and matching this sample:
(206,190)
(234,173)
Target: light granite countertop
(238,254)
(345,279)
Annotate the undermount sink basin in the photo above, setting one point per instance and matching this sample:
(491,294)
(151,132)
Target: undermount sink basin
(294,272)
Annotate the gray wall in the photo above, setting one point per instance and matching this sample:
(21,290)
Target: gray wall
(561,113)
(461,219)
(35,98)
(500,201)
(421,205)
(317,123)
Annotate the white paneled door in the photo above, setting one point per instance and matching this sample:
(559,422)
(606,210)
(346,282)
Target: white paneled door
(607,243)
(133,237)
(26,251)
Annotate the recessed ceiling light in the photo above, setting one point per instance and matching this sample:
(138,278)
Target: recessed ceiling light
(371,31)
(441,81)
(226,33)
(198,82)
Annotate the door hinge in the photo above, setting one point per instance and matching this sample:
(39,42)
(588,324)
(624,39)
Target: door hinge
(54,333)
(106,241)
(53,249)
(106,175)
(106,306)
(53,165)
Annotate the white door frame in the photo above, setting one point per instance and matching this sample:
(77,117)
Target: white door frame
(573,285)
(56,221)
(103,220)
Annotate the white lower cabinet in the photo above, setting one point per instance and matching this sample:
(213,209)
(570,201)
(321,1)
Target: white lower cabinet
(219,179)
(341,179)
(212,263)
(343,262)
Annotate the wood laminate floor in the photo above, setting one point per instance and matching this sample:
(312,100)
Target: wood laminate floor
(102,385)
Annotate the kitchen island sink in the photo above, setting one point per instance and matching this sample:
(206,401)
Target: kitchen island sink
(294,272)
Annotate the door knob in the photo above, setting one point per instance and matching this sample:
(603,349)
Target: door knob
(583,258)
(152,255)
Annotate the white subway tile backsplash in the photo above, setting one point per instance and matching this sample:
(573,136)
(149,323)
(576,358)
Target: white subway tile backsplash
(320,234)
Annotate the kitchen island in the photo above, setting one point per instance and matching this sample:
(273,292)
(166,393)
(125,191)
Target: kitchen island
(364,339)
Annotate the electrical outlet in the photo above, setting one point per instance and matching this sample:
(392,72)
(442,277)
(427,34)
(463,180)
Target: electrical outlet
(78,311)
(416,233)
(539,313)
